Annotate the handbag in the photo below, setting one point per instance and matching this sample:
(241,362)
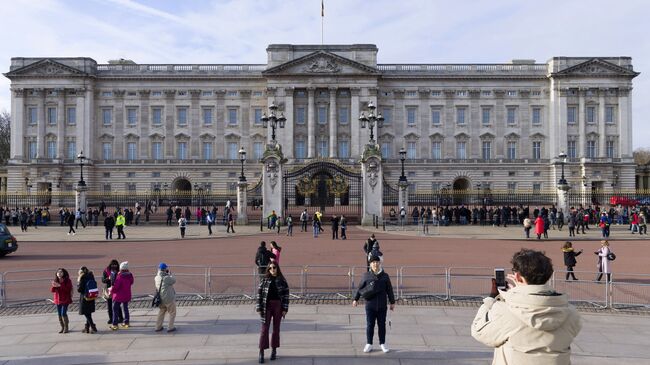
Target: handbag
(155,302)
(369,290)
(611,256)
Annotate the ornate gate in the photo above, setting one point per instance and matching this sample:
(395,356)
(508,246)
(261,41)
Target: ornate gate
(324,186)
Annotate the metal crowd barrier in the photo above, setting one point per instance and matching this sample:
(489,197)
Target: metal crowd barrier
(194,282)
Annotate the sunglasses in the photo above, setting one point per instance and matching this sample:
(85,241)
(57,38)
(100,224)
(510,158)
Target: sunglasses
(272,267)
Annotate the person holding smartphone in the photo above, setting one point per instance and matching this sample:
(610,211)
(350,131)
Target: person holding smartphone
(529,323)
(164,283)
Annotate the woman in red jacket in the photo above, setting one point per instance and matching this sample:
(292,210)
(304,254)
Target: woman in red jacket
(62,289)
(539,226)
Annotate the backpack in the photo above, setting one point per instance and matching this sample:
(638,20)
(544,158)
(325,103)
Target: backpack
(91,292)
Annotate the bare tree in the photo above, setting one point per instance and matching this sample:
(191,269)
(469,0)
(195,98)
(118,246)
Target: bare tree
(5,136)
(642,156)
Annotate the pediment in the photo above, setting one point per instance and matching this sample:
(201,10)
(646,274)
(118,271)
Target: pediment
(461,135)
(487,135)
(181,135)
(131,135)
(46,68)
(106,136)
(207,135)
(537,136)
(512,135)
(436,137)
(596,68)
(411,136)
(321,63)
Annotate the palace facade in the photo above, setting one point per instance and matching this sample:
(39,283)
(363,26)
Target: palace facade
(146,127)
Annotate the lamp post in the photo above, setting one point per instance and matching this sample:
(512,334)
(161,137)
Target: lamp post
(562,156)
(584,181)
(402,158)
(371,120)
(273,120)
(242,158)
(81,159)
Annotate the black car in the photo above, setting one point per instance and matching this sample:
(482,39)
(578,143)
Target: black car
(8,242)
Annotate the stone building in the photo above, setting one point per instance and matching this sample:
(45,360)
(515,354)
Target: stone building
(179,126)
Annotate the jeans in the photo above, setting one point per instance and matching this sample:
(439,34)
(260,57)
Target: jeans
(116,311)
(273,311)
(316,230)
(62,309)
(376,315)
(109,233)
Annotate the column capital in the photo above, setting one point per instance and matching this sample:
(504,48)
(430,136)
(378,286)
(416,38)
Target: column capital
(355,91)
(332,89)
(170,93)
(245,93)
(194,93)
(144,93)
(118,93)
(310,91)
(18,92)
(288,91)
(220,93)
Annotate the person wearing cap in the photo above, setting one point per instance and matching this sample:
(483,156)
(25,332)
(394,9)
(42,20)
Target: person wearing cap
(377,301)
(121,293)
(164,283)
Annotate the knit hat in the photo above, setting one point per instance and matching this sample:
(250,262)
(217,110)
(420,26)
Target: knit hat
(162,266)
(374,258)
(124,265)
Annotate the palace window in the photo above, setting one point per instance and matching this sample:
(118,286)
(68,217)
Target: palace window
(435,116)
(571,149)
(323,147)
(156,116)
(300,149)
(32,149)
(609,115)
(132,116)
(486,115)
(71,150)
(591,114)
(232,116)
(571,114)
(411,115)
(182,150)
(131,151)
(436,150)
(512,150)
(207,116)
(537,116)
(460,115)
(51,149)
(386,149)
(461,150)
(207,150)
(107,116)
(591,149)
(300,115)
(72,116)
(233,150)
(156,150)
(487,150)
(182,116)
(537,150)
(257,116)
(512,115)
(610,149)
(411,150)
(51,116)
(258,150)
(387,113)
(344,148)
(107,150)
(33,115)
(344,115)
(322,115)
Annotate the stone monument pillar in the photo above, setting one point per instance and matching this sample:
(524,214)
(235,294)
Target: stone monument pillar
(372,184)
(80,196)
(272,176)
(242,202)
(563,199)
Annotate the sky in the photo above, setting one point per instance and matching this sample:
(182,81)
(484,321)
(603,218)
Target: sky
(406,31)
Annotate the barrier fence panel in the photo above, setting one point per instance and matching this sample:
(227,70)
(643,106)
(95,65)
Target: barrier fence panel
(2,291)
(295,278)
(469,282)
(630,291)
(232,282)
(327,279)
(422,281)
(191,281)
(32,286)
(585,291)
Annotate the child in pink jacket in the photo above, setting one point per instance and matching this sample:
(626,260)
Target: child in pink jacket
(121,294)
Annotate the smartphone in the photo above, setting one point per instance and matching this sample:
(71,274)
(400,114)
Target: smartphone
(500,276)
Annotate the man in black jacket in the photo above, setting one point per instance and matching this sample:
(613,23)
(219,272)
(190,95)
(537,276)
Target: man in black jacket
(262,258)
(377,291)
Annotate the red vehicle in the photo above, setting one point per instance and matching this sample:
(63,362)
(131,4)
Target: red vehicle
(622,200)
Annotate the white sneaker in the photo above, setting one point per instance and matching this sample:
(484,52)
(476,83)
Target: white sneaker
(367,348)
(384,348)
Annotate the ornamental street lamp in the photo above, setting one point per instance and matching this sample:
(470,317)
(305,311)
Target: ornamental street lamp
(242,158)
(371,120)
(615,180)
(562,156)
(402,158)
(81,159)
(275,121)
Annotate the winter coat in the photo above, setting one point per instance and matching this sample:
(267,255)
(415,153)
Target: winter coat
(603,263)
(263,257)
(109,222)
(528,324)
(384,290)
(263,293)
(570,257)
(85,306)
(167,292)
(63,293)
(277,253)
(108,277)
(539,225)
(120,221)
(121,290)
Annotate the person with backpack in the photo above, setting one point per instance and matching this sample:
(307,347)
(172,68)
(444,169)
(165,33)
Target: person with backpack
(182,224)
(121,295)
(108,278)
(262,258)
(62,298)
(87,288)
(289,225)
(304,217)
(164,284)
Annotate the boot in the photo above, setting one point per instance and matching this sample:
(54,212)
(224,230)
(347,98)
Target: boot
(66,324)
(272,354)
(62,325)
(85,330)
(93,328)
(261,356)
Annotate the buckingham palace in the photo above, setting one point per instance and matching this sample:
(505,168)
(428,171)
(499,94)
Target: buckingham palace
(145,127)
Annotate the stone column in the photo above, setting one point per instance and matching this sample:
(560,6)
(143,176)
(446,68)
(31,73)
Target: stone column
(145,141)
(372,188)
(624,122)
(195,124)
(581,124)
(220,123)
(403,195)
(170,123)
(311,124)
(18,122)
(272,174)
(60,124)
(118,123)
(42,121)
(288,135)
(356,145)
(80,197)
(602,150)
(242,201)
(332,122)
(85,121)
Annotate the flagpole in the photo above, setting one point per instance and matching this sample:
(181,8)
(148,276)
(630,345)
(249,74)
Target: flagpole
(322,19)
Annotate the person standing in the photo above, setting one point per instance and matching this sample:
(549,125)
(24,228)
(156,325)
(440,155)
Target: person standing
(121,292)
(108,278)
(164,284)
(182,224)
(572,225)
(527,226)
(377,290)
(539,226)
(335,227)
(643,224)
(85,283)
(570,259)
(560,219)
(62,298)
(210,220)
(289,225)
(120,221)
(315,225)
(604,267)
(276,251)
(71,220)
(78,217)
(262,258)
(604,225)
(231,223)
(272,305)
(170,213)
(109,223)
(344,226)
(304,217)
